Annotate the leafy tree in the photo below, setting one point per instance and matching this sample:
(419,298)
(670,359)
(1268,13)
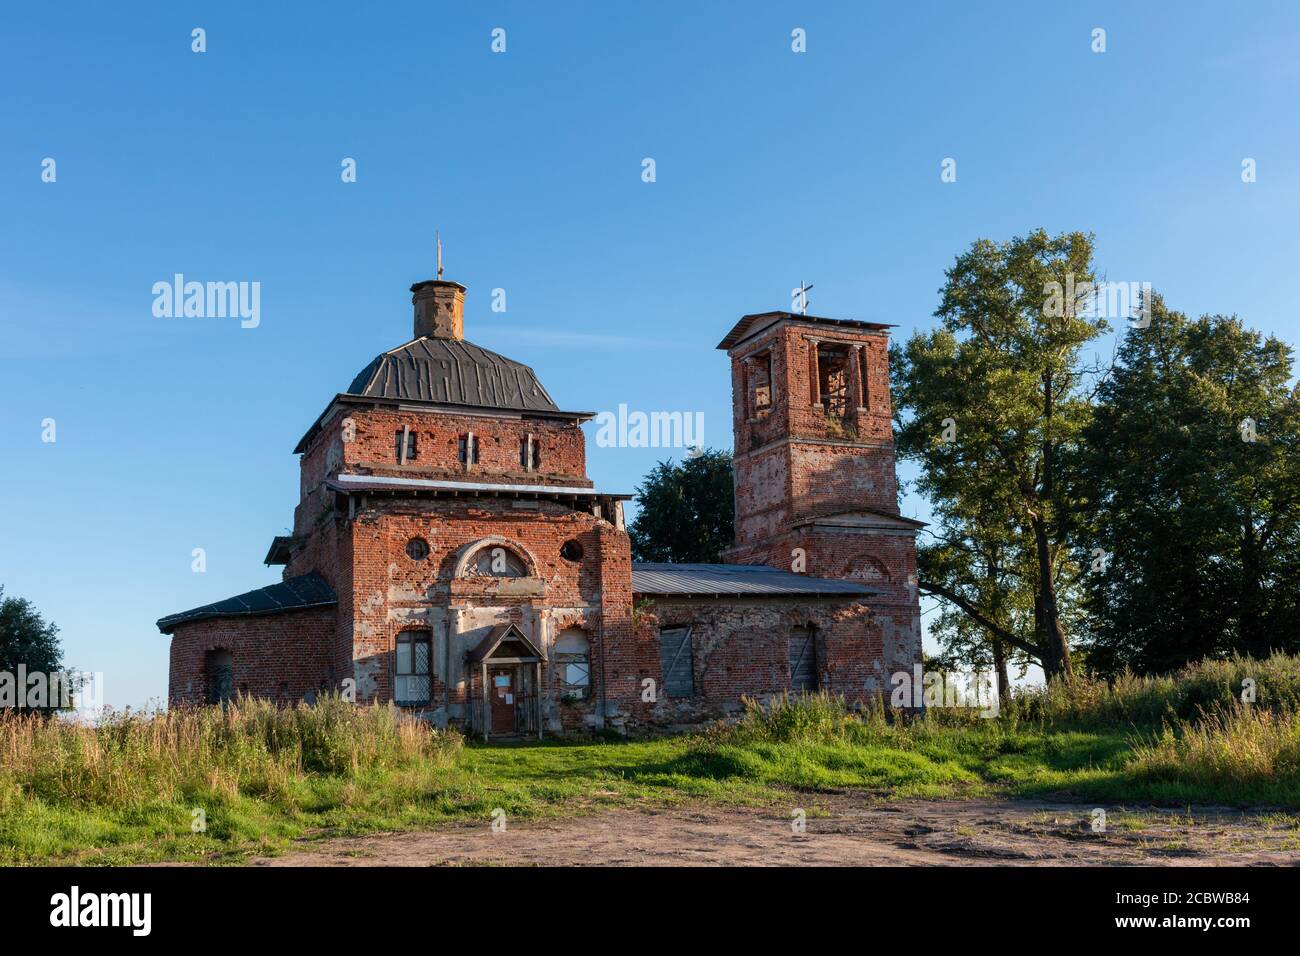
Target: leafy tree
(26,638)
(991,404)
(1200,526)
(686,511)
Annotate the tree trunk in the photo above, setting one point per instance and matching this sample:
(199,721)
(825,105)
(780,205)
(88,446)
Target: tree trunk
(1000,666)
(1047,615)
(1254,634)
(999,648)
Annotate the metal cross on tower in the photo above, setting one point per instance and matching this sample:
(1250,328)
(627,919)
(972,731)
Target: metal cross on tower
(799,297)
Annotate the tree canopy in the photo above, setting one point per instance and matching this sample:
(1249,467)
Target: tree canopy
(989,404)
(685,511)
(1191,467)
(1141,514)
(26,638)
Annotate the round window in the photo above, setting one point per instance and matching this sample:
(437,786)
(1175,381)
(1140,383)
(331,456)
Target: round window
(417,549)
(571,551)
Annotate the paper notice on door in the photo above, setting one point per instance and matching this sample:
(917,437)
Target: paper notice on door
(510,698)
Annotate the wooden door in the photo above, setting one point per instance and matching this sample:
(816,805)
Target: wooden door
(803,660)
(501,698)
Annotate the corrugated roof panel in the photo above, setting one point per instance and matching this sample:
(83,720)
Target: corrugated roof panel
(660,578)
(452,371)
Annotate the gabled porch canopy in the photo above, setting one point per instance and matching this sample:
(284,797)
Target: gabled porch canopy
(507,649)
(506,643)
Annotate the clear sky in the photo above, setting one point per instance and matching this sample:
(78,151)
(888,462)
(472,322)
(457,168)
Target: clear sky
(771,167)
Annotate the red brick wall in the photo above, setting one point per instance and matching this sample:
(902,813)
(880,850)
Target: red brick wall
(792,466)
(791,462)
(393,592)
(372,450)
(278,656)
(741,648)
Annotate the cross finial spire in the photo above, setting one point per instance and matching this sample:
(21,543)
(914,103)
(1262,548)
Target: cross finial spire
(439,240)
(799,297)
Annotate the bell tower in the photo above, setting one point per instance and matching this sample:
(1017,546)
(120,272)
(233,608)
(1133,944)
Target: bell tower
(815,485)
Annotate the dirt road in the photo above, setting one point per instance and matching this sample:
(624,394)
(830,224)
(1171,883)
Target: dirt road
(854,831)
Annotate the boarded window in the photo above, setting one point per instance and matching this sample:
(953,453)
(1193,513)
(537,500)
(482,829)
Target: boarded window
(413,682)
(675,658)
(573,664)
(803,660)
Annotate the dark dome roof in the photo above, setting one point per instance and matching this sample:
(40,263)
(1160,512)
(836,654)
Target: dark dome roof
(452,372)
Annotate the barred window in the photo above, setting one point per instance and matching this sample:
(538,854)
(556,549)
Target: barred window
(413,682)
(467,449)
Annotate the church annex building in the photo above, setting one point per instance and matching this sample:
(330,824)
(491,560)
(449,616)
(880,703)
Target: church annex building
(450,555)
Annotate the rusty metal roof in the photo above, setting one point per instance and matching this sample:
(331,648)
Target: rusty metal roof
(753,323)
(295,594)
(453,372)
(734,579)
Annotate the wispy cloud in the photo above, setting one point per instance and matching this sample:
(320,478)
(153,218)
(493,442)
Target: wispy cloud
(40,323)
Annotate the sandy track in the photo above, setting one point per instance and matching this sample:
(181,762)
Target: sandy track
(854,831)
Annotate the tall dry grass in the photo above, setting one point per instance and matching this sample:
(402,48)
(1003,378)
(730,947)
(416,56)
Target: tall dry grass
(1197,689)
(250,747)
(1237,748)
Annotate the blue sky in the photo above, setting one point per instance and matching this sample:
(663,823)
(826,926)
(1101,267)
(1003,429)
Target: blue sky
(771,167)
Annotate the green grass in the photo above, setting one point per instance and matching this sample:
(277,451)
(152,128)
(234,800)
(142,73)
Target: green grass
(549,779)
(124,792)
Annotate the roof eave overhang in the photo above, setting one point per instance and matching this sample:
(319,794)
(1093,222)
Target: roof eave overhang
(751,325)
(377,484)
(279,552)
(169,624)
(829,519)
(786,595)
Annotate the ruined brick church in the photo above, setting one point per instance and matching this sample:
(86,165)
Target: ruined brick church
(450,555)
